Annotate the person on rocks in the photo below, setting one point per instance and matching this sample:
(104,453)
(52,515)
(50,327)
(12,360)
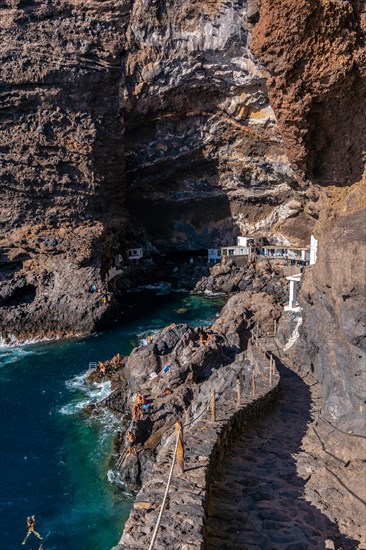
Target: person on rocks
(149,340)
(117,361)
(165,393)
(131,443)
(203,340)
(140,399)
(136,412)
(31,523)
(101,368)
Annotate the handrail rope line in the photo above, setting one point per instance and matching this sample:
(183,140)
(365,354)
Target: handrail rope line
(207,405)
(152,543)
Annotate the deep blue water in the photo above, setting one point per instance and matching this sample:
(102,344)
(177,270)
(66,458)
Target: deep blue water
(54,459)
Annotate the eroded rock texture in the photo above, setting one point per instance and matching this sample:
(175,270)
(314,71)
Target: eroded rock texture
(333,343)
(316,58)
(61,160)
(127,123)
(203,150)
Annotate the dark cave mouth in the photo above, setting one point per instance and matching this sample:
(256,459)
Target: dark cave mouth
(22,295)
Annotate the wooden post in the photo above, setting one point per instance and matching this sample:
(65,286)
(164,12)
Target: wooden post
(180,445)
(253,383)
(270,370)
(213,411)
(238,388)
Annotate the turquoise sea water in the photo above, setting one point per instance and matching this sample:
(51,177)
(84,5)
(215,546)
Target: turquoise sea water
(54,459)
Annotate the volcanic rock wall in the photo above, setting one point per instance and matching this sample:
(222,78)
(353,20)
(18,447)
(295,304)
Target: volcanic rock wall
(61,160)
(316,60)
(203,151)
(127,122)
(315,54)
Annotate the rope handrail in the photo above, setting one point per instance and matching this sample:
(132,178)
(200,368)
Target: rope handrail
(208,403)
(152,543)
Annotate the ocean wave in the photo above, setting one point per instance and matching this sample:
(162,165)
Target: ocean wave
(211,293)
(114,477)
(93,393)
(142,336)
(14,354)
(13,342)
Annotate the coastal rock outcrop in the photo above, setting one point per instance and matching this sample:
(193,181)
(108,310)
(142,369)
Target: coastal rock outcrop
(176,374)
(258,275)
(61,161)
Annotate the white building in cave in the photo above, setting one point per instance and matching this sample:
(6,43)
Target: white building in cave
(135,253)
(250,242)
(313,250)
(214,255)
(294,280)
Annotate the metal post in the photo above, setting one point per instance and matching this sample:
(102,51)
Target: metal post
(213,411)
(238,388)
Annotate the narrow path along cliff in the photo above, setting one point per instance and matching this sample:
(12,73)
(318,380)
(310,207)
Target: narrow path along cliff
(257,501)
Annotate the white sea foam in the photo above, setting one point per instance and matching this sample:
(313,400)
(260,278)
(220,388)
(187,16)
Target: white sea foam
(14,354)
(93,393)
(142,336)
(211,293)
(13,342)
(114,477)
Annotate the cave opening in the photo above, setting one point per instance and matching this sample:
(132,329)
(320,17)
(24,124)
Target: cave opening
(22,295)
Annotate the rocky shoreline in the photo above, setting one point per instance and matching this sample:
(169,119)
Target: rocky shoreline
(176,373)
(206,443)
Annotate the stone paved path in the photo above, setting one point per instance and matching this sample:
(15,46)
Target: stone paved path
(257,501)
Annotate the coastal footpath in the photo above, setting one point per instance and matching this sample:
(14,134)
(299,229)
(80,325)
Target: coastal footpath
(206,442)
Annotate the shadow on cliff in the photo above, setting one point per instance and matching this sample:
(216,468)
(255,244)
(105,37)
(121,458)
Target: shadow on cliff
(337,132)
(174,195)
(257,500)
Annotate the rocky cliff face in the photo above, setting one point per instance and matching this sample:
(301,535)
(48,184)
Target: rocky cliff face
(61,161)
(314,52)
(203,151)
(315,56)
(129,122)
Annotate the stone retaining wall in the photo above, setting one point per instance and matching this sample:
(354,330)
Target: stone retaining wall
(206,443)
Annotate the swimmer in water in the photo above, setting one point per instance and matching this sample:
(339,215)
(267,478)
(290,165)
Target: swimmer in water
(31,523)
